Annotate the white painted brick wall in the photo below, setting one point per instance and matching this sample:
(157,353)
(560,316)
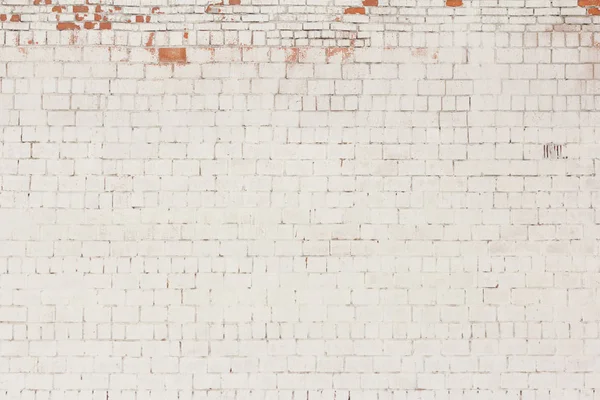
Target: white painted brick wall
(299,199)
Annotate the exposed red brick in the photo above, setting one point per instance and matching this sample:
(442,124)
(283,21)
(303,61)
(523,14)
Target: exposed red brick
(150,41)
(370,3)
(67,26)
(172,55)
(344,52)
(210,8)
(139,18)
(186,35)
(58,9)
(593,11)
(37,2)
(105,25)
(292,55)
(588,3)
(454,3)
(147,18)
(80,9)
(15,18)
(234,2)
(79,17)
(89,25)
(155,10)
(2,17)
(97,17)
(354,10)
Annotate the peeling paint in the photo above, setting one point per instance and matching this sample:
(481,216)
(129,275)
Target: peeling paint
(64,26)
(592,6)
(150,41)
(354,10)
(172,55)
(345,53)
(292,55)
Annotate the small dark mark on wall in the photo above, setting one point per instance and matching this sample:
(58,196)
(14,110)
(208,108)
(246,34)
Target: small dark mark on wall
(553,151)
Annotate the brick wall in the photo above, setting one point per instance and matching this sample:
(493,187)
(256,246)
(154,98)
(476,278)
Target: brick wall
(299,199)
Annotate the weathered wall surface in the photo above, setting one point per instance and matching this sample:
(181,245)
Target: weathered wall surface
(299,199)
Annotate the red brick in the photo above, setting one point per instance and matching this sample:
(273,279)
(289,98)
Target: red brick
(172,55)
(66,26)
(354,10)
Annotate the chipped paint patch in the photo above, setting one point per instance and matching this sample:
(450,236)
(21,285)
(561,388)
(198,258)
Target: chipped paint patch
(12,18)
(292,55)
(345,53)
(592,6)
(355,10)
(66,26)
(172,55)
(150,41)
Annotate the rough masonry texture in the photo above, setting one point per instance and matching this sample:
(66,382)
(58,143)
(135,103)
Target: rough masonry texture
(299,199)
